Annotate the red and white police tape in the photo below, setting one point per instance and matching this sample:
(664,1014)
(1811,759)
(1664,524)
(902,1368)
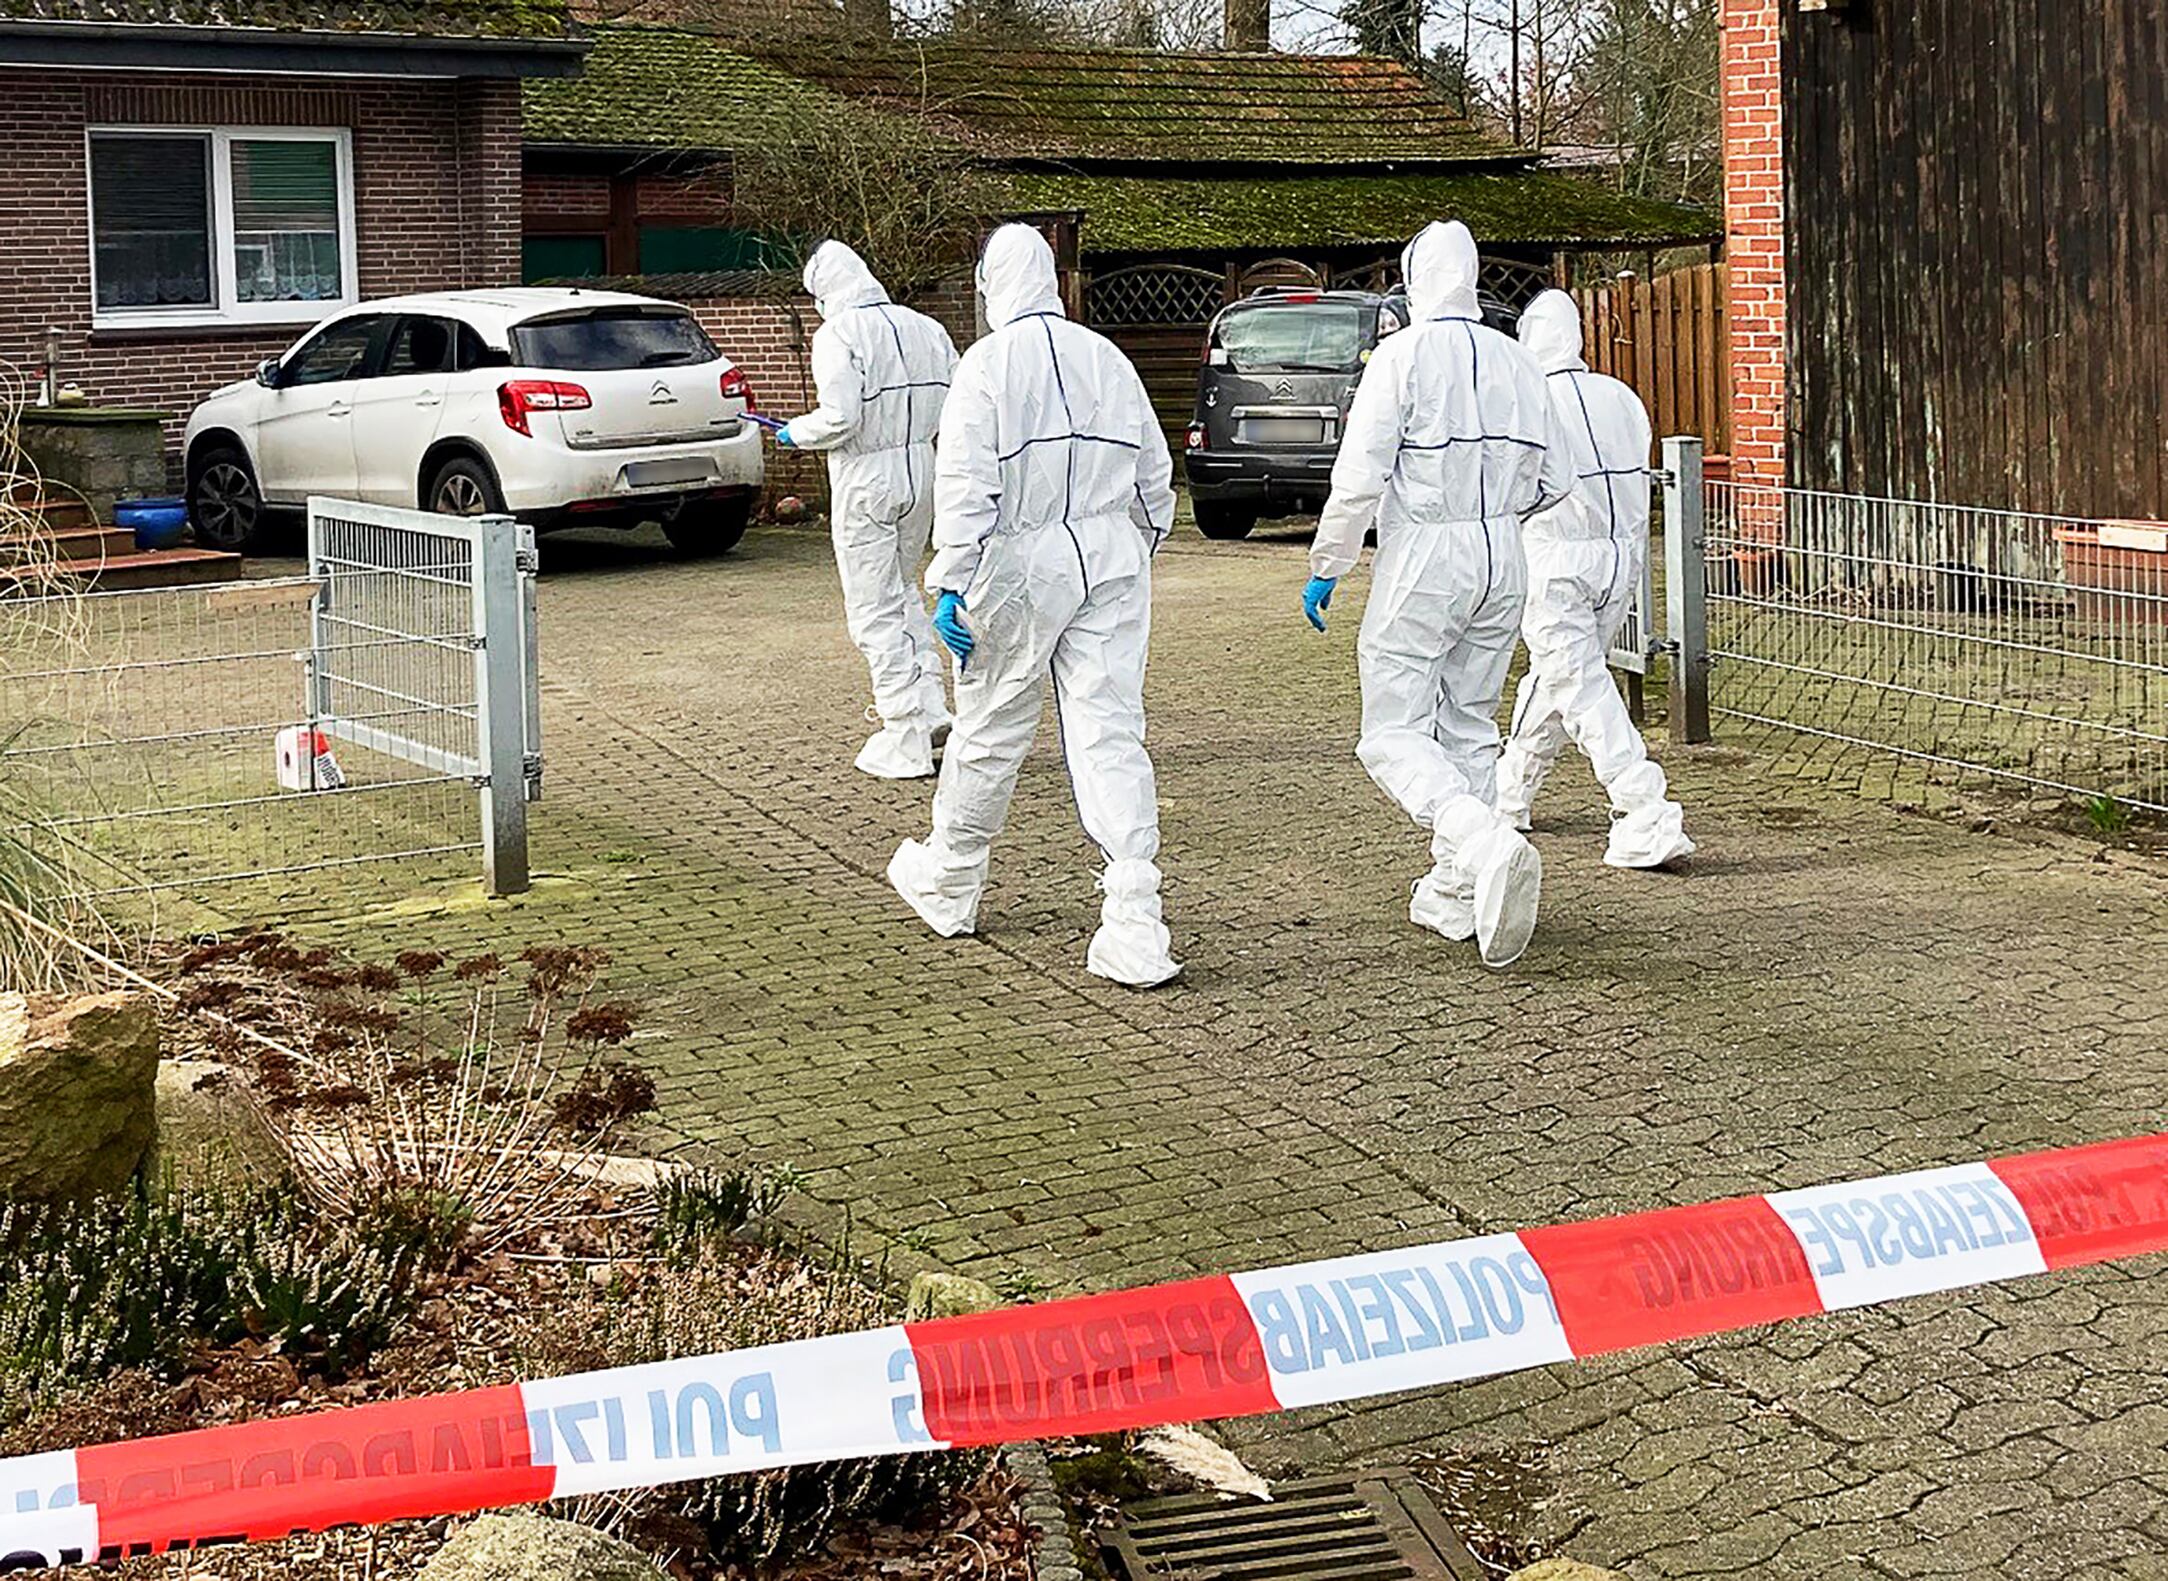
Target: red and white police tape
(1229,1346)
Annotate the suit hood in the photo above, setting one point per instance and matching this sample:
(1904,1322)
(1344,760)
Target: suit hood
(1550,329)
(1440,267)
(1016,276)
(837,279)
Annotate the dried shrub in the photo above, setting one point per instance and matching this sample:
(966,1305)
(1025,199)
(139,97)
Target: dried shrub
(417,1091)
(721,1298)
(605,1094)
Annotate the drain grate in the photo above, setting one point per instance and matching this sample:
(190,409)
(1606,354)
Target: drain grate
(1370,1526)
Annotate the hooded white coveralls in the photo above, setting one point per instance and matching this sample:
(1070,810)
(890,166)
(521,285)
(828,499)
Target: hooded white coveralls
(1583,569)
(1584,564)
(1054,487)
(881,372)
(1451,441)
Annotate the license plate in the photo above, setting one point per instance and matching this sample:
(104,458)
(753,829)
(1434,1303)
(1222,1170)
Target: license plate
(1281,431)
(661,474)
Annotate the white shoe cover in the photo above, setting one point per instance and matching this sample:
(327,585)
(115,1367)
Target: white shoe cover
(1132,942)
(1439,905)
(898,752)
(1649,837)
(1508,890)
(946,899)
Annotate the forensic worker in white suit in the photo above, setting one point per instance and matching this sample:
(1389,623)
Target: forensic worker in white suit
(1054,488)
(1585,559)
(1451,443)
(882,372)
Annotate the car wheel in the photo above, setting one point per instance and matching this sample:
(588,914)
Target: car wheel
(709,526)
(463,487)
(224,504)
(1217,519)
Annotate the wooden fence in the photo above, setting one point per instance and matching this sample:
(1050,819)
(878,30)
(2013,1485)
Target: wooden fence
(1666,337)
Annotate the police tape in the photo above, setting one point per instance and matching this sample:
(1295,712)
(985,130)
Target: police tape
(1310,1334)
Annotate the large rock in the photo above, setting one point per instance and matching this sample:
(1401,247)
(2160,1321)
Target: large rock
(935,1295)
(76,1107)
(1565,1570)
(209,1129)
(535,1548)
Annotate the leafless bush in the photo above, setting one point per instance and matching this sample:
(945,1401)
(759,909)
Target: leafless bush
(722,1298)
(892,182)
(429,1089)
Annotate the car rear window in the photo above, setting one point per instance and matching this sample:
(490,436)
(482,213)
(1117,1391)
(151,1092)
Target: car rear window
(607,338)
(1322,337)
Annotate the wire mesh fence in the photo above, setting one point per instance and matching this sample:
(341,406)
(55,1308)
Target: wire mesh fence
(1969,644)
(380,708)
(148,731)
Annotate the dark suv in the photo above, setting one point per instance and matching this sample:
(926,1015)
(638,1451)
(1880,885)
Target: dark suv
(1280,369)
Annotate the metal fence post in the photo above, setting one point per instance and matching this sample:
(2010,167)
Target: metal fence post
(1686,589)
(501,704)
(530,648)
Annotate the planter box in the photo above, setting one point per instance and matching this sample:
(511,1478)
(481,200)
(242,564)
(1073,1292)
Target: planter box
(2118,570)
(103,453)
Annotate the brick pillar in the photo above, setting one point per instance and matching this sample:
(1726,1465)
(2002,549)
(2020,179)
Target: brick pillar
(1754,236)
(490,190)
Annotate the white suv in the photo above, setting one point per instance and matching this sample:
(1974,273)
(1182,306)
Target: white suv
(564,407)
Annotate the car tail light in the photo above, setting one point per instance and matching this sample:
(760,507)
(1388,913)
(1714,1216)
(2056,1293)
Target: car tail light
(521,396)
(1196,436)
(737,387)
(1300,296)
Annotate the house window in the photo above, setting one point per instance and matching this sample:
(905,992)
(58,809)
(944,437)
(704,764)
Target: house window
(209,226)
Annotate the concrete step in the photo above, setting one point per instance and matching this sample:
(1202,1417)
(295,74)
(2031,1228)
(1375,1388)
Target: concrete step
(58,513)
(93,543)
(156,568)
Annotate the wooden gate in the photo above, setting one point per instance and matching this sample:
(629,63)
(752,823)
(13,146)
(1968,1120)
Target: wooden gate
(1157,314)
(1666,337)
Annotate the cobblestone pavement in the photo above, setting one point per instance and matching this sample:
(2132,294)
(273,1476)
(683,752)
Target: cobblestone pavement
(1834,989)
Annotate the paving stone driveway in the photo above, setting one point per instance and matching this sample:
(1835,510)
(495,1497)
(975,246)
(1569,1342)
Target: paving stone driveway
(1835,989)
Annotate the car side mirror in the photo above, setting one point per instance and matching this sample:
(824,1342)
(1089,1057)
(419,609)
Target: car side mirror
(267,373)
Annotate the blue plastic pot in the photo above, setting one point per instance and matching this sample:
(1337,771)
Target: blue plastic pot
(157,523)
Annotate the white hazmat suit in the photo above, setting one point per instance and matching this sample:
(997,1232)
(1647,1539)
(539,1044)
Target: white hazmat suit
(1585,561)
(881,372)
(1450,442)
(1054,487)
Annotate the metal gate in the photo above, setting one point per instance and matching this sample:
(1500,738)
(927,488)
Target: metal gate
(171,741)
(424,649)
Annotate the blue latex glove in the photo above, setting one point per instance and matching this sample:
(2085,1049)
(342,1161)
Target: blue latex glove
(1317,597)
(783,441)
(948,625)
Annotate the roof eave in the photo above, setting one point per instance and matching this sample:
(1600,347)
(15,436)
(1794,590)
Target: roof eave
(1286,169)
(149,46)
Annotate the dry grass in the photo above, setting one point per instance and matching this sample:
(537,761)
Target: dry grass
(41,612)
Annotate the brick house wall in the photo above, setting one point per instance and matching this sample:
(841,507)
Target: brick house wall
(436,196)
(1754,235)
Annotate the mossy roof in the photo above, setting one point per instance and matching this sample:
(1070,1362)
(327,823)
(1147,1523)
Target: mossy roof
(644,87)
(1213,214)
(1113,104)
(478,19)
(662,87)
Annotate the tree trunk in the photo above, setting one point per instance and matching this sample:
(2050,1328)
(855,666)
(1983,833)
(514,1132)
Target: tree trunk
(1249,24)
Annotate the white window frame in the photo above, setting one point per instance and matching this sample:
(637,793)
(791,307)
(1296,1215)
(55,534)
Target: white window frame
(226,307)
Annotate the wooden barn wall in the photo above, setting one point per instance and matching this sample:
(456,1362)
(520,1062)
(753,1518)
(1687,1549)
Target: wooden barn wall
(1977,238)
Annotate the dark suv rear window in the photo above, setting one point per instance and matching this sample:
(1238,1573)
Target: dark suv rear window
(1322,337)
(607,338)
